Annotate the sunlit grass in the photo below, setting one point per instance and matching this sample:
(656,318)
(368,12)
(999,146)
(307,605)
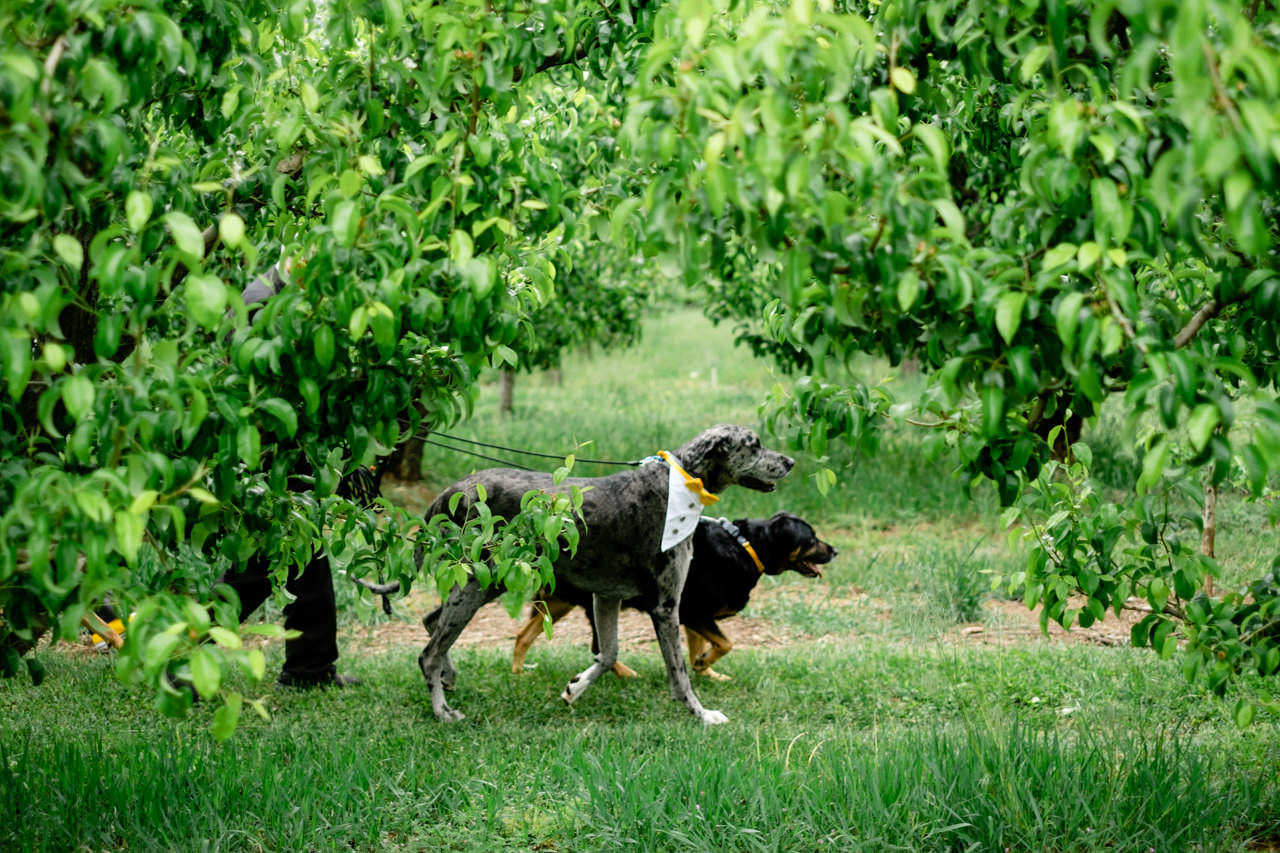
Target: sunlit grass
(860,745)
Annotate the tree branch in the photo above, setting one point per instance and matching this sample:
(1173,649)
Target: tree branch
(1206,313)
(51,62)
(1124,322)
(1208,518)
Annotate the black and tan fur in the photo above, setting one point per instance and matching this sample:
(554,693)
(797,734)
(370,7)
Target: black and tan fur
(722,575)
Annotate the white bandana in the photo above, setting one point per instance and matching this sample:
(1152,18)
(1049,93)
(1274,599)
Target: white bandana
(685,500)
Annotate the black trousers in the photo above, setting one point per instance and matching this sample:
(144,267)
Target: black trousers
(313,612)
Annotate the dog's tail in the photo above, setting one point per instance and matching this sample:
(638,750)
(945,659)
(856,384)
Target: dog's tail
(377,588)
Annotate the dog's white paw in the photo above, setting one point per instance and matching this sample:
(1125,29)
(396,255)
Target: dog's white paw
(574,689)
(712,718)
(445,714)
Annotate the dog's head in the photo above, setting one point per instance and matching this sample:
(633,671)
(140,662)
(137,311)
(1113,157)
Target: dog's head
(728,455)
(798,546)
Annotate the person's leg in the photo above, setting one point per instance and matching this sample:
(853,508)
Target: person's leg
(252,584)
(310,658)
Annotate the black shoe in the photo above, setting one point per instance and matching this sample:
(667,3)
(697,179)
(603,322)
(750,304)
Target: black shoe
(308,682)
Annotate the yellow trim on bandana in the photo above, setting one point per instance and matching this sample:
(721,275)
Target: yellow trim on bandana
(693,484)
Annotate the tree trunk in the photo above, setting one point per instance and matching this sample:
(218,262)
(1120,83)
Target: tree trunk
(405,462)
(506,389)
(1208,517)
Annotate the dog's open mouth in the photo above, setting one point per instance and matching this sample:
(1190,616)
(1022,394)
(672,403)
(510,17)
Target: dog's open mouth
(810,565)
(757,485)
(808,570)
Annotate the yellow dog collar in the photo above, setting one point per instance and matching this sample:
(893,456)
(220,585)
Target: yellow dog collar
(693,484)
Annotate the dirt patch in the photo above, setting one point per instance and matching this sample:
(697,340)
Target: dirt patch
(492,628)
(1011,623)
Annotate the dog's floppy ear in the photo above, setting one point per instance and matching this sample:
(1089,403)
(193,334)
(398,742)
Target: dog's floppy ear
(785,527)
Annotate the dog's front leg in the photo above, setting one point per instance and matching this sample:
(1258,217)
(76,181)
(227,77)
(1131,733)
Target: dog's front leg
(667,626)
(606,613)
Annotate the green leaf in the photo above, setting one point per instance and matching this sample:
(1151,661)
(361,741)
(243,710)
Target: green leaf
(323,345)
(16,361)
(227,717)
(908,289)
(78,396)
(206,299)
(203,495)
(952,218)
(696,15)
(256,663)
(936,141)
(1200,426)
(143,501)
(1153,465)
(992,410)
(206,674)
(227,639)
(1067,318)
(618,223)
(248,445)
(903,80)
(129,530)
(1113,217)
(394,16)
(1009,314)
(345,222)
(1058,255)
(1032,61)
(186,234)
(349,183)
(461,247)
(1243,713)
(231,229)
(69,249)
(310,97)
(283,412)
(137,210)
(359,322)
(1088,255)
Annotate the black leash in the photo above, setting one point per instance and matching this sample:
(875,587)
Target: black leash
(632,462)
(505,462)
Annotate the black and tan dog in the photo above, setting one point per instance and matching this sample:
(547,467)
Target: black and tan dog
(619,556)
(729,558)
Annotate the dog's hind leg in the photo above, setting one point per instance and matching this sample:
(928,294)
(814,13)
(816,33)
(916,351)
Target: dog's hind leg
(696,643)
(448,675)
(713,646)
(453,615)
(606,621)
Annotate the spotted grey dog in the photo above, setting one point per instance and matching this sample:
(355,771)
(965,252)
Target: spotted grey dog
(619,555)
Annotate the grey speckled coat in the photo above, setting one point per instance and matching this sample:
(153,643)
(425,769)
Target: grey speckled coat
(618,557)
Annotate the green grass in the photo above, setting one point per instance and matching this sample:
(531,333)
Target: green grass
(873,730)
(859,746)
